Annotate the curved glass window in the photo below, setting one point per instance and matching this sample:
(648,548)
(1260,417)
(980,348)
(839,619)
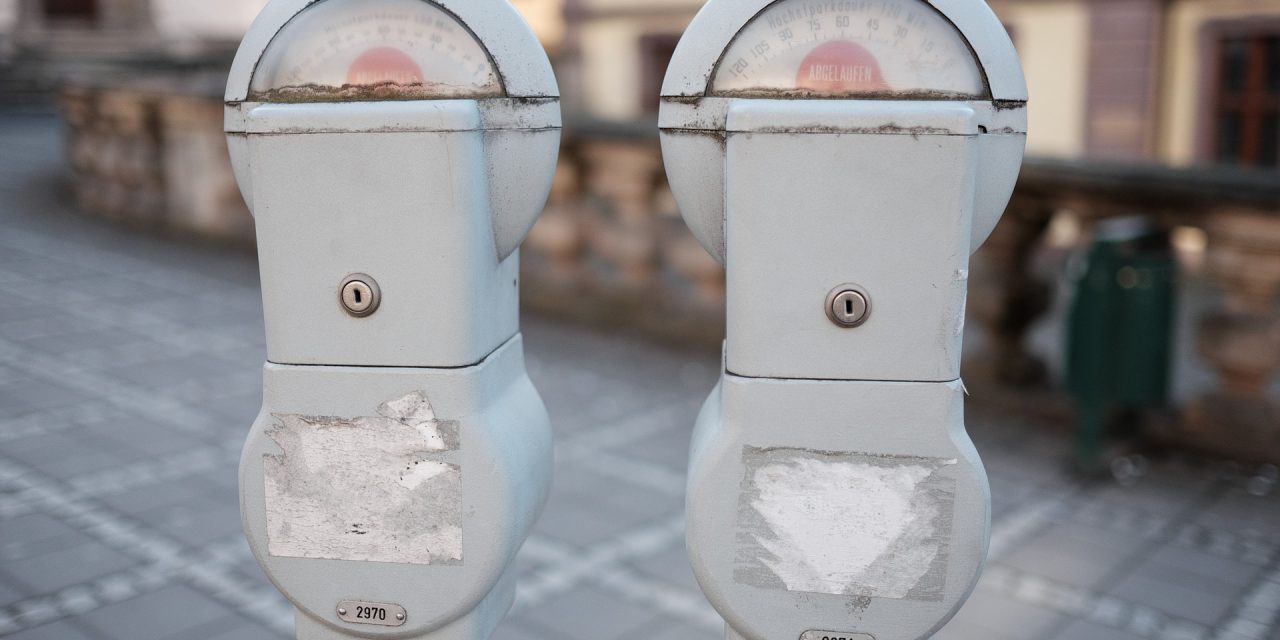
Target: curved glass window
(351,50)
(893,49)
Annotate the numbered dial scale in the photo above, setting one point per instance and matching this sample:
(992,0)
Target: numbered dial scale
(850,48)
(345,50)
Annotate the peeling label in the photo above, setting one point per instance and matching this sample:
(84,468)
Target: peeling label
(375,489)
(844,523)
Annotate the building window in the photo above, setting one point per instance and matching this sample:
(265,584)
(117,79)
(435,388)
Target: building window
(655,55)
(70,10)
(1247,117)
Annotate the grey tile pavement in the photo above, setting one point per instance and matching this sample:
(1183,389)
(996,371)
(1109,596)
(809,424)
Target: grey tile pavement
(129,373)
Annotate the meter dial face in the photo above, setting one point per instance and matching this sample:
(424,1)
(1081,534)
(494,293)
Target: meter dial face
(348,50)
(849,48)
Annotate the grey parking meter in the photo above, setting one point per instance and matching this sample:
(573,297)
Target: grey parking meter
(394,153)
(843,159)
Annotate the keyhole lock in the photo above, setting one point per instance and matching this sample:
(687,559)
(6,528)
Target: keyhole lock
(360,295)
(848,306)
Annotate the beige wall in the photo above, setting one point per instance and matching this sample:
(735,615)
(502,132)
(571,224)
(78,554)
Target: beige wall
(546,17)
(228,19)
(612,68)
(610,34)
(644,5)
(8,15)
(1183,72)
(202,19)
(1053,41)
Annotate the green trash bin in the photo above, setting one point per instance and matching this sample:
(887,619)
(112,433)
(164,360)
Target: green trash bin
(1120,329)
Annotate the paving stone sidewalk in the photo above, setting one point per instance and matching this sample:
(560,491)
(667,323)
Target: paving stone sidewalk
(130,370)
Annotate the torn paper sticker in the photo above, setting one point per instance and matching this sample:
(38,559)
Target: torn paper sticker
(844,523)
(375,489)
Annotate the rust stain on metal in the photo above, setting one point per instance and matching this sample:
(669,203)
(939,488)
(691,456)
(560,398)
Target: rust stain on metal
(1009,105)
(385,91)
(884,129)
(718,134)
(693,100)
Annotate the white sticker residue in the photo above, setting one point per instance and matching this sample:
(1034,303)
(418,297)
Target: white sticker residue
(375,489)
(844,524)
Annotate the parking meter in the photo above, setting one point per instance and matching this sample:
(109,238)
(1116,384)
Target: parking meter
(394,153)
(843,159)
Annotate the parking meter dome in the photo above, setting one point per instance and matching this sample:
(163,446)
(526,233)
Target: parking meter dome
(463,49)
(341,50)
(916,50)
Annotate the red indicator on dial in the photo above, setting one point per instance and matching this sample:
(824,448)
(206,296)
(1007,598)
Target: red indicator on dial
(839,67)
(871,49)
(359,50)
(382,65)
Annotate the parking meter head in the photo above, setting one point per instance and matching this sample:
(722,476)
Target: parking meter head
(335,51)
(414,141)
(811,49)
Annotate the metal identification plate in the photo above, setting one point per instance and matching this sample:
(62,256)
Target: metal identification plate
(379,613)
(834,635)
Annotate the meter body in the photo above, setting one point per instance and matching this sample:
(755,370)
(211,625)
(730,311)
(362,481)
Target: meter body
(842,159)
(394,153)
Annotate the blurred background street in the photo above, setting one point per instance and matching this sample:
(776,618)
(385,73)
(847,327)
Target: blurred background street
(130,370)
(1122,344)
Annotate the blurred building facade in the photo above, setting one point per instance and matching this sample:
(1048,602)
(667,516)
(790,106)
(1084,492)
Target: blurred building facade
(179,24)
(1176,81)
(43,40)
(1181,82)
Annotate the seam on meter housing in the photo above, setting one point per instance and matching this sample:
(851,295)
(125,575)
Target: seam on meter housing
(304,132)
(841,523)
(747,377)
(385,488)
(883,130)
(375,367)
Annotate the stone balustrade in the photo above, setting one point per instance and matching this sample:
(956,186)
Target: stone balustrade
(1238,210)
(611,247)
(151,152)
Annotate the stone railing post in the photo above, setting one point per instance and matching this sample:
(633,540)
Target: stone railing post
(1241,339)
(125,158)
(1007,297)
(201,192)
(621,179)
(557,239)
